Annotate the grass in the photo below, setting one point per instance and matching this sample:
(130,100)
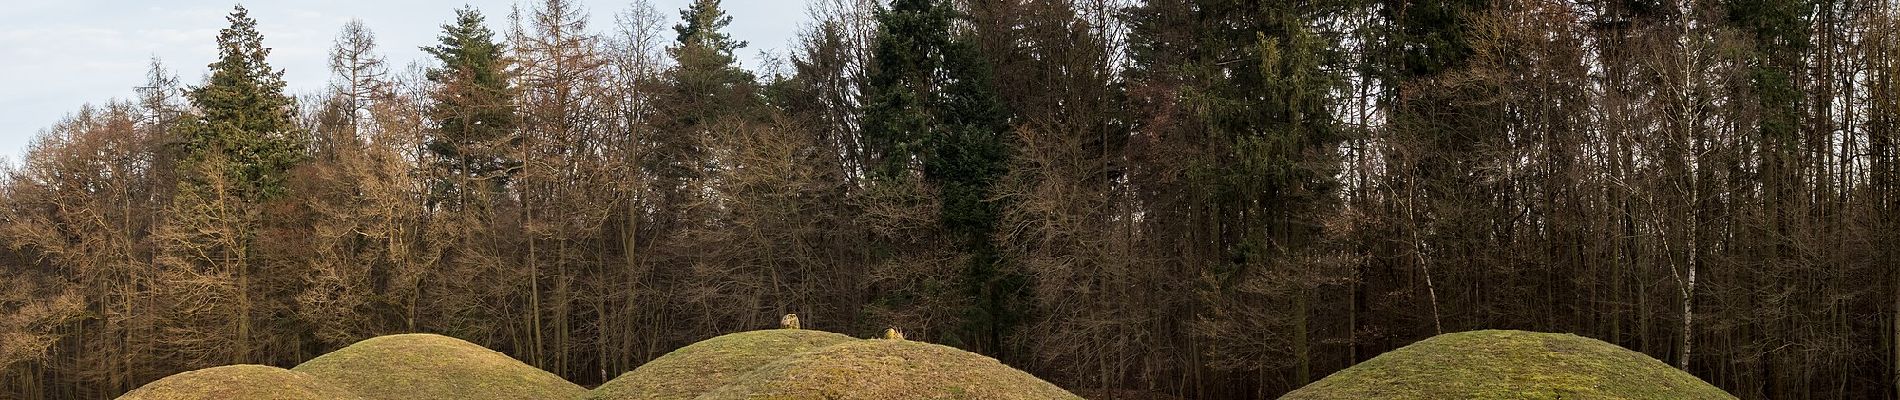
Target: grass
(1510,365)
(887,369)
(695,369)
(434,367)
(239,382)
(770,364)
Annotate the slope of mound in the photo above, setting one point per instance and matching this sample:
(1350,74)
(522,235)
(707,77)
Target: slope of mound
(1510,365)
(888,369)
(695,369)
(432,367)
(239,382)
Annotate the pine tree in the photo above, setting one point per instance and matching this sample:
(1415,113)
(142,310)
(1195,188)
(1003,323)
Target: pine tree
(1442,123)
(704,24)
(474,110)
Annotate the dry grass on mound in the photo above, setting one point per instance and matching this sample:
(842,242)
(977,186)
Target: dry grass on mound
(239,382)
(888,369)
(695,369)
(434,367)
(1510,365)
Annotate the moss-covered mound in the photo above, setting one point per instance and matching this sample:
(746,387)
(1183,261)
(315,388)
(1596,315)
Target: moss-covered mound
(887,369)
(434,367)
(239,382)
(1510,365)
(695,369)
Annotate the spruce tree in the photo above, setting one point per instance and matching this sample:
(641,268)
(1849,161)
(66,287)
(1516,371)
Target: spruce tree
(930,106)
(243,116)
(1245,110)
(474,108)
(1254,77)
(237,154)
(708,82)
(907,56)
(703,24)
(707,90)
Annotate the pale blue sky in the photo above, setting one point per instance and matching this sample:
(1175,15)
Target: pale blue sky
(60,54)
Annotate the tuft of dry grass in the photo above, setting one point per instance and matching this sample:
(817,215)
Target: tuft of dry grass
(239,382)
(434,367)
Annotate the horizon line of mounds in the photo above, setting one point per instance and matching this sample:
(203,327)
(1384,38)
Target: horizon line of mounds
(793,363)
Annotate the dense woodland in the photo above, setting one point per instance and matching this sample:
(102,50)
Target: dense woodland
(1203,199)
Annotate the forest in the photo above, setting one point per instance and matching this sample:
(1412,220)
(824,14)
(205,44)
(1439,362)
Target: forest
(1198,199)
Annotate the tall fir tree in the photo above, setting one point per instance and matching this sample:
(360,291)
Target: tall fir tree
(1779,30)
(1235,96)
(707,91)
(931,108)
(906,58)
(474,105)
(707,80)
(708,83)
(243,115)
(238,151)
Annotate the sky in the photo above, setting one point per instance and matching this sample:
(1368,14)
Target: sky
(57,55)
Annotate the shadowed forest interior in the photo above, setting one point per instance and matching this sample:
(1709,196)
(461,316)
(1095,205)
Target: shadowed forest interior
(1197,199)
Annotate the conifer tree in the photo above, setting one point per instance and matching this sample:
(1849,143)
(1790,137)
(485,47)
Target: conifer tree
(906,58)
(358,75)
(1241,97)
(237,155)
(708,83)
(474,110)
(244,115)
(707,92)
(930,107)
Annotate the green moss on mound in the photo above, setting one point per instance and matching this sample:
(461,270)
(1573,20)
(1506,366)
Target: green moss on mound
(888,369)
(1510,365)
(239,382)
(695,369)
(434,367)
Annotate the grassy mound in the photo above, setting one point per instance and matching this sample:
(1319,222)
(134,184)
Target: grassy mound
(432,367)
(888,369)
(239,382)
(1510,365)
(695,369)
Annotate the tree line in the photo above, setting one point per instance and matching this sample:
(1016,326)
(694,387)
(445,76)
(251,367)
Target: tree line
(1191,198)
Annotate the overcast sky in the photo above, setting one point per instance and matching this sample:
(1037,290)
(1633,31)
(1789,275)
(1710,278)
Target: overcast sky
(60,54)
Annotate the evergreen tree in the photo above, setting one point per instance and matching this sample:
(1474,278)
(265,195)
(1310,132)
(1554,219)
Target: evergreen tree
(474,110)
(708,82)
(931,105)
(906,59)
(1255,74)
(237,155)
(1779,29)
(1425,38)
(707,90)
(704,24)
(244,116)
(1243,110)
(1443,124)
